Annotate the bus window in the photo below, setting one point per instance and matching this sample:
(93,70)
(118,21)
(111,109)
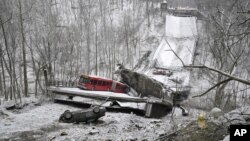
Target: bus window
(105,83)
(83,80)
(99,83)
(94,82)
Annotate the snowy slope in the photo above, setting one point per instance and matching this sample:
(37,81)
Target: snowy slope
(165,56)
(178,44)
(41,123)
(33,119)
(180,38)
(180,27)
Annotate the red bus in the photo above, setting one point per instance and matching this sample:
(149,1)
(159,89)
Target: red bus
(96,83)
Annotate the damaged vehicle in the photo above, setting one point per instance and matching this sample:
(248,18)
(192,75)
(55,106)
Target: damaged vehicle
(90,115)
(96,83)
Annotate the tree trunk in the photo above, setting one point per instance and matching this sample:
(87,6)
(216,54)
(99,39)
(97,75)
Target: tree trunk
(45,78)
(34,68)
(4,82)
(9,57)
(96,50)
(147,12)
(1,82)
(25,78)
(14,80)
(1,86)
(50,63)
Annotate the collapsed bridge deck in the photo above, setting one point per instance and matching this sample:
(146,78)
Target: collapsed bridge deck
(151,107)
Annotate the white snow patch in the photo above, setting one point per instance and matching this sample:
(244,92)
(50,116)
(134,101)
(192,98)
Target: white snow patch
(89,92)
(113,126)
(180,27)
(33,119)
(165,54)
(175,49)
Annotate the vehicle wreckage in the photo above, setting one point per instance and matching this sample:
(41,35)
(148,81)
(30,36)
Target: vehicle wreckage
(152,98)
(90,115)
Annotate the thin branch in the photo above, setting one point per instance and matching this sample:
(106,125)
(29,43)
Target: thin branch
(244,12)
(240,90)
(245,21)
(216,85)
(175,53)
(3,22)
(221,72)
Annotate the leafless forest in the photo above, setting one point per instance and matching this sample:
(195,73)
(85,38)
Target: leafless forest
(74,37)
(67,38)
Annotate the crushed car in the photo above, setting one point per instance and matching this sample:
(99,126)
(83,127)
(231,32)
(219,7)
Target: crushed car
(90,115)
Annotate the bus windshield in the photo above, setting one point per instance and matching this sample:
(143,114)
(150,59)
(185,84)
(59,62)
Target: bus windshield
(84,80)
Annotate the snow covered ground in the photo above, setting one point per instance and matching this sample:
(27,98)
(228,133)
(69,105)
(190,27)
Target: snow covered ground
(41,123)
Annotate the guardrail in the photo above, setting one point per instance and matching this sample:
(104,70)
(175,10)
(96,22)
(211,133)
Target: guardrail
(62,83)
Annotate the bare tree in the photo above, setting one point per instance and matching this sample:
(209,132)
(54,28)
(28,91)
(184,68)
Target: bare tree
(25,78)
(227,48)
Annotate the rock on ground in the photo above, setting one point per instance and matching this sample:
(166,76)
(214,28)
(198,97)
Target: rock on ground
(216,112)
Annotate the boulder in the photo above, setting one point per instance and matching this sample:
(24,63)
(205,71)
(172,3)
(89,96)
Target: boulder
(216,112)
